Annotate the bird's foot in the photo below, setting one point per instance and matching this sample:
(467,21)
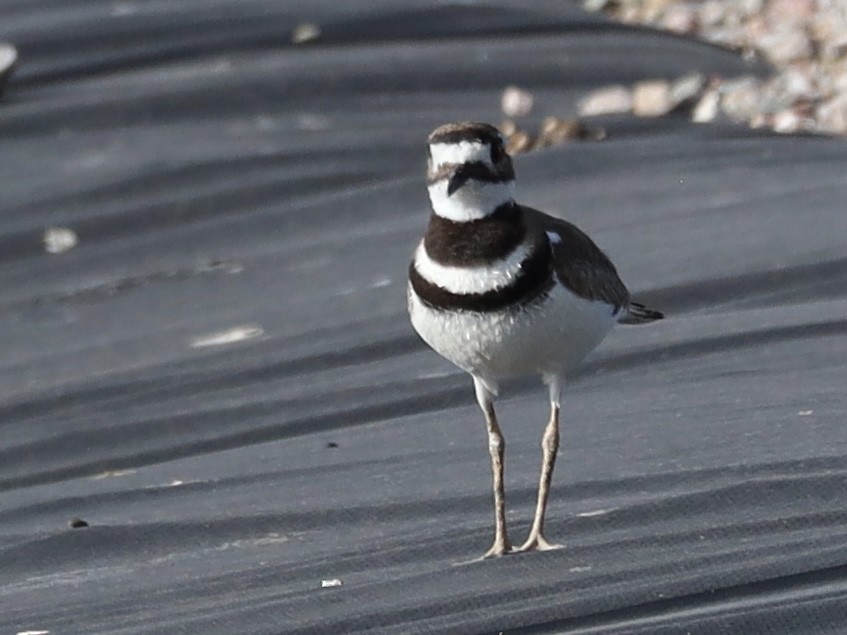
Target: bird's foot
(499,548)
(536,542)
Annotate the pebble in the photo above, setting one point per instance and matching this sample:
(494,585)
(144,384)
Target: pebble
(784,45)
(305,32)
(741,98)
(553,131)
(58,240)
(787,121)
(831,115)
(651,98)
(516,102)
(606,101)
(681,19)
(712,12)
(707,108)
(8,60)
(686,90)
(790,12)
(519,142)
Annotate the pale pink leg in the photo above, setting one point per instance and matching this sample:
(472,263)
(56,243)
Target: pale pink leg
(549,447)
(496,448)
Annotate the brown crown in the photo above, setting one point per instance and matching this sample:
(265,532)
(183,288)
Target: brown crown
(465,131)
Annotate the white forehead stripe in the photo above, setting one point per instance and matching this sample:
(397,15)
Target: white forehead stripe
(499,273)
(462,152)
(472,201)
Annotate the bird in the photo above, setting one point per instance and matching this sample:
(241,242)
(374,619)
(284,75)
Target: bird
(501,289)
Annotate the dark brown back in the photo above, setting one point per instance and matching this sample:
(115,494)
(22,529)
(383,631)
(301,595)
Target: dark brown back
(579,264)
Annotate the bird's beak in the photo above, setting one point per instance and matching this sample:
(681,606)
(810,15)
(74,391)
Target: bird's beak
(459,178)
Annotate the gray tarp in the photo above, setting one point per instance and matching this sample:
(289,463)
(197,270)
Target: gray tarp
(220,177)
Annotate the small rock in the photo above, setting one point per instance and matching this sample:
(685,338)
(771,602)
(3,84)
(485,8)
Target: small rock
(332,582)
(58,240)
(8,60)
(555,131)
(508,127)
(832,115)
(790,12)
(680,18)
(627,13)
(686,91)
(229,336)
(712,12)
(835,48)
(761,120)
(652,10)
(787,121)
(755,28)
(77,523)
(838,77)
(730,37)
(798,84)
(741,98)
(596,5)
(828,27)
(787,89)
(519,142)
(306,32)
(606,101)
(750,7)
(707,108)
(785,45)
(516,102)
(651,98)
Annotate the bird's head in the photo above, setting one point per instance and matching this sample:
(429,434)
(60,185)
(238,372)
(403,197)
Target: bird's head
(469,172)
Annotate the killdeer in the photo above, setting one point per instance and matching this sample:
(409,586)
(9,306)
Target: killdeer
(500,289)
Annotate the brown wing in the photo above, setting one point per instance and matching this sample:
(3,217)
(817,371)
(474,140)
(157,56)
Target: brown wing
(580,264)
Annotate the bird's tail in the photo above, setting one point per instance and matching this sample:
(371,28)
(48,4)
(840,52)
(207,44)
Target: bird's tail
(639,314)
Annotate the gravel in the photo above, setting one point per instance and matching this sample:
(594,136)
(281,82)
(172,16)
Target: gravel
(804,40)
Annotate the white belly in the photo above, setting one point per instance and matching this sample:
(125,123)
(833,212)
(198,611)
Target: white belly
(549,338)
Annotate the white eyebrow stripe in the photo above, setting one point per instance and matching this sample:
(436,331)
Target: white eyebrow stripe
(462,152)
(462,280)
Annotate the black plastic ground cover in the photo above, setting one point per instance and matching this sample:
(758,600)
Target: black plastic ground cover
(221,381)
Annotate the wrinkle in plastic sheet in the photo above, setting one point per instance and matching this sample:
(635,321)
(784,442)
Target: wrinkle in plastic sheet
(221,380)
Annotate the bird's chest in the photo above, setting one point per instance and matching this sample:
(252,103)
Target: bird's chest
(548,336)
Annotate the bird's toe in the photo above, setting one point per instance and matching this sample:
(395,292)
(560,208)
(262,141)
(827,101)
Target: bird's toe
(537,543)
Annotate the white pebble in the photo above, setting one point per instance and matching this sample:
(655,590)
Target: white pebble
(516,102)
(230,336)
(58,240)
(606,101)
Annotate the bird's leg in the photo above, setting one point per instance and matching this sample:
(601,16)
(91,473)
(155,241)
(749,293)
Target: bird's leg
(496,448)
(549,448)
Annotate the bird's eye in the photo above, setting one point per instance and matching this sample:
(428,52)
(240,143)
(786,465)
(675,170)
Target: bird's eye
(497,151)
